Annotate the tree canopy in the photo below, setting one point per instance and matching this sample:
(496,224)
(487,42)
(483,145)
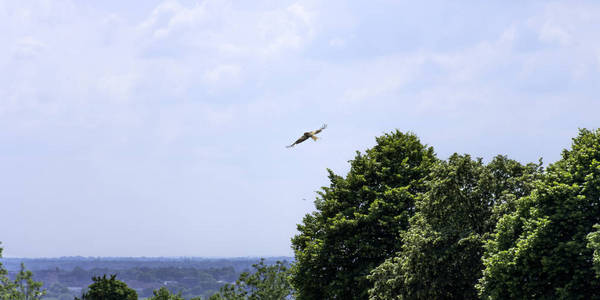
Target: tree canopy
(164,294)
(265,283)
(541,249)
(441,252)
(104,288)
(359,218)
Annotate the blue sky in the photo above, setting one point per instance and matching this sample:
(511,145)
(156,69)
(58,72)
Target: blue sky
(157,128)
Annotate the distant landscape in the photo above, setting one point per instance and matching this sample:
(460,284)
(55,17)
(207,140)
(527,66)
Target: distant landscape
(402,224)
(299,150)
(66,277)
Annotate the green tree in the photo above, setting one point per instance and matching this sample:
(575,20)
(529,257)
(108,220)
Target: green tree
(104,288)
(359,219)
(22,288)
(540,250)
(6,285)
(25,287)
(441,253)
(594,244)
(265,283)
(164,294)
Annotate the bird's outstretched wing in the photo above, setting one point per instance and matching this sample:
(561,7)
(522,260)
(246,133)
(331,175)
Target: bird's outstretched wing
(319,130)
(298,141)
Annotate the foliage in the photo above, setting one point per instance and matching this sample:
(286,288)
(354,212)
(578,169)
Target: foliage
(58,291)
(192,277)
(190,281)
(540,250)
(6,285)
(359,218)
(164,294)
(441,254)
(105,288)
(22,288)
(25,287)
(220,268)
(266,283)
(594,244)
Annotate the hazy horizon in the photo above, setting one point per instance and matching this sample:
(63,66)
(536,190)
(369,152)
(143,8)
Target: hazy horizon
(143,257)
(158,128)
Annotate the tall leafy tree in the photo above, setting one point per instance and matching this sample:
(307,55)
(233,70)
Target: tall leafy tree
(540,251)
(359,218)
(265,283)
(441,253)
(104,288)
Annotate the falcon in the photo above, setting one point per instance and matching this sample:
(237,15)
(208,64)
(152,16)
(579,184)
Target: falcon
(306,135)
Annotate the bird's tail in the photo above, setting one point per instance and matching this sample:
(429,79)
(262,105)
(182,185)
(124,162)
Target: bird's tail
(314,137)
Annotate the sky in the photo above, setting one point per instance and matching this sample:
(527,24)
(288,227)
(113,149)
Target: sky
(158,128)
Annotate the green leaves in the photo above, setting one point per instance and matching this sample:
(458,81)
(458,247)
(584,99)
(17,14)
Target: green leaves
(359,219)
(266,283)
(26,287)
(545,248)
(22,288)
(164,294)
(594,244)
(105,288)
(441,253)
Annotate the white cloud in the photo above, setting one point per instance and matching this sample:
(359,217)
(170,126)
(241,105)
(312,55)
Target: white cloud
(337,42)
(170,16)
(286,30)
(223,72)
(28,48)
(92,63)
(553,32)
(374,79)
(211,26)
(119,87)
(222,85)
(567,24)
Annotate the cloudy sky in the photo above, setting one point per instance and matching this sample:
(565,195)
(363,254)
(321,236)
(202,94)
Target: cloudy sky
(157,128)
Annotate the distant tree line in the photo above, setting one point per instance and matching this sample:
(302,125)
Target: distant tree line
(264,282)
(188,280)
(69,263)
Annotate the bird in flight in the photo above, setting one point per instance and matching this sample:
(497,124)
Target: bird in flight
(306,135)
